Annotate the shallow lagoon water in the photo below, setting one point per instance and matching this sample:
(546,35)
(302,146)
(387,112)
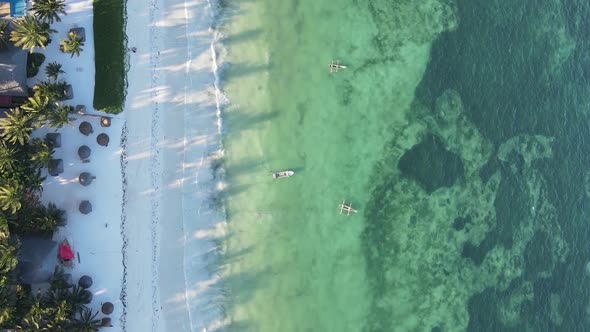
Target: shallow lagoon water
(459,132)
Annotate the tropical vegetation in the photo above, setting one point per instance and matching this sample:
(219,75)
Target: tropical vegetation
(29,32)
(53,70)
(61,308)
(16,127)
(109,41)
(48,10)
(4,34)
(34,62)
(23,158)
(60,116)
(54,90)
(72,45)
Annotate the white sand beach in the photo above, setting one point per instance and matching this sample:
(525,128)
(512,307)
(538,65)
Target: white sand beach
(149,241)
(96,237)
(172,133)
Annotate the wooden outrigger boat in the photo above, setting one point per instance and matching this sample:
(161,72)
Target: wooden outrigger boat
(335,66)
(344,207)
(282,174)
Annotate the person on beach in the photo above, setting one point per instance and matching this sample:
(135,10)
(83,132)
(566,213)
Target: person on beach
(134,49)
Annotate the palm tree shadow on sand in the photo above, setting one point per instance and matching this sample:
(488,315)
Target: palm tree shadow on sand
(236,122)
(242,36)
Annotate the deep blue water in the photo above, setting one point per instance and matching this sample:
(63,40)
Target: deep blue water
(521,70)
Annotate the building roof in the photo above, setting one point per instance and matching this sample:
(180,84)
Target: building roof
(37,258)
(13,72)
(4,9)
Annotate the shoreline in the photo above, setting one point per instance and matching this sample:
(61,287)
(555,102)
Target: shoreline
(173,135)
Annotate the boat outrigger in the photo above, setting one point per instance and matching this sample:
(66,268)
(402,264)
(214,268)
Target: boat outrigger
(335,66)
(344,207)
(282,174)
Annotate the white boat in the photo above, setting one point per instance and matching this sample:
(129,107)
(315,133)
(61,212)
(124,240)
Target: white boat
(346,208)
(335,66)
(282,174)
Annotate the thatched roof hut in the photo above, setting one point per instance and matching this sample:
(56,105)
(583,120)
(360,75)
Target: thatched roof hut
(36,259)
(85,207)
(84,152)
(102,139)
(85,128)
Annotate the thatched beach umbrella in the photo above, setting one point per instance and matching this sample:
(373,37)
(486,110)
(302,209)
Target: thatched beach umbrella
(102,139)
(55,167)
(85,282)
(85,128)
(107,308)
(86,178)
(53,139)
(87,296)
(106,322)
(85,207)
(84,152)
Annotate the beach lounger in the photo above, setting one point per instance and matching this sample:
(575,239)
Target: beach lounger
(65,254)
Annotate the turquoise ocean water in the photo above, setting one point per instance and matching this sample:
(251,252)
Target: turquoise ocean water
(460,132)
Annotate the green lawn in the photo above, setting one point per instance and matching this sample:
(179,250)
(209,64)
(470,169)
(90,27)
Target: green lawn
(109,89)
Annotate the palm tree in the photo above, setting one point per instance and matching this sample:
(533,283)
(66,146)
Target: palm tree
(3,34)
(60,318)
(87,322)
(8,258)
(58,284)
(7,305)
(61,310)
(35,318)
(52,90)
(55,213)
(11,194)
(72,45)
(60,116)
(52,70)
(47,219)
(41,154)
(29,32)
(78,298)
(48,10)
(37,107)
(4,231)
(16,126)
(7,157)
(33,182)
